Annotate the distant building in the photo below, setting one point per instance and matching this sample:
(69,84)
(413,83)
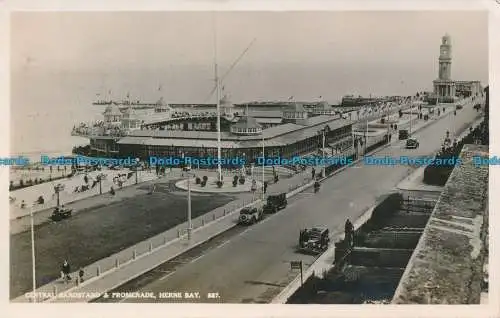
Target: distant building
(268,118)
(245,138)
(246,126)
(468,88)
(446,90)
(295,113)
(323,108)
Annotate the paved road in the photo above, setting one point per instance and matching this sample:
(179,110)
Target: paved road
(253,266)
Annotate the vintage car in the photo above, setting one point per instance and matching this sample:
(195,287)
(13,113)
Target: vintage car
(314,241)
(275,203)
(403,134)
(412,143)
(250,216)
(61,213)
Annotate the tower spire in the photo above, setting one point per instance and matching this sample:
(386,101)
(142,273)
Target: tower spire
(444,86)
(445,58)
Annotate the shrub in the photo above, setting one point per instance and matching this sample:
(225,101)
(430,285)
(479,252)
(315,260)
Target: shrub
(198,180)
(242,180)
(235,182)
(205,178)
(219,184)
(21,183)
(235,178)
(203,183)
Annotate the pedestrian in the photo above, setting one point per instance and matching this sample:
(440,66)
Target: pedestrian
(254,186)
(80,274)
(66,269)
(313,172)
(349,229)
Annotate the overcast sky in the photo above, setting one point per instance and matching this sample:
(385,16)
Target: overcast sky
(156,40)
(303,54)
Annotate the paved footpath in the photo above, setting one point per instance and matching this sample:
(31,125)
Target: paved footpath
(67,196)
(113,271)
(22,221)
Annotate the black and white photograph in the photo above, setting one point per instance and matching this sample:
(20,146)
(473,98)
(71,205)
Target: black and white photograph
(249,157)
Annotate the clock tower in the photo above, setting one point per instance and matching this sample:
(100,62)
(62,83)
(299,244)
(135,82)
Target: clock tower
(444,86)
(445,59)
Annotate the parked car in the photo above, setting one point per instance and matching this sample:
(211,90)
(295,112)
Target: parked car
(61,213)
(412,143)
(314,241)
(250,216)
(275,203)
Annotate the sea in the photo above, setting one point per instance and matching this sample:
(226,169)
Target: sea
(47,103)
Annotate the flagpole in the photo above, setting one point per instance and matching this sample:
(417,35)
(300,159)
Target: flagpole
(33,269)
(217,88)
(323,155)
(263,166)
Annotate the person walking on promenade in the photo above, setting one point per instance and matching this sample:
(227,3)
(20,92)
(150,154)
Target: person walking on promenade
(65,270)
(80,274)
(313,172)
(349,233)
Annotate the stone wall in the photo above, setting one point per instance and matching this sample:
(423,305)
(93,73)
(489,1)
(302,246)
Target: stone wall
(447,265)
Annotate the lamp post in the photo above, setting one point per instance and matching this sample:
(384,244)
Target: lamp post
(33,252)
(323,153)
(366,141)
(137,171)
(58,188)
(190,224)
(411,115)
(354,148)
(263,165)
(101,177)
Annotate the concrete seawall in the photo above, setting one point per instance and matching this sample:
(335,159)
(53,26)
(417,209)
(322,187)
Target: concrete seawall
(447,265)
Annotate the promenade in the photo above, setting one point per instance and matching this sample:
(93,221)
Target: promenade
(116,269)
(30,194)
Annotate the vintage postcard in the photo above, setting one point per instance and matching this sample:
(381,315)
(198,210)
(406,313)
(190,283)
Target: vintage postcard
(272,157)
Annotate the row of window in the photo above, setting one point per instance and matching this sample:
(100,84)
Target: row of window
(294,115)
(341,137)
(245,130)
(109,118)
